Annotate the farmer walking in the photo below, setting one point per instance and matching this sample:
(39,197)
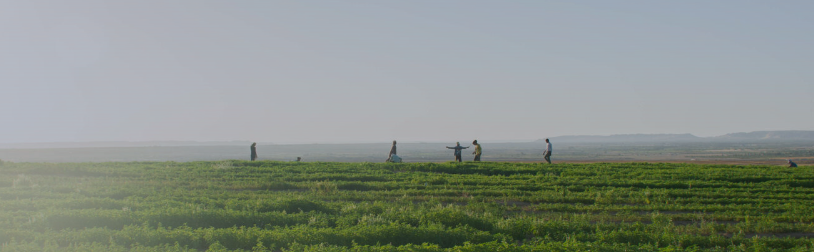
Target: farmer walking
(477,151)
(547,151)
(254,151)
(392,152)
(457,149)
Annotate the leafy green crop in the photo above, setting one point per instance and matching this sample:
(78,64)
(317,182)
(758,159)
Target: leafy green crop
(322,206)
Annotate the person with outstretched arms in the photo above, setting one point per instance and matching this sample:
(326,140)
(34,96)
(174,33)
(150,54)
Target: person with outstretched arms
(457,149)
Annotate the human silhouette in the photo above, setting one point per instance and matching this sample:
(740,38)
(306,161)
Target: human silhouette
(457,149)
(478,151)
(392,152)
(254,151)
(547,151)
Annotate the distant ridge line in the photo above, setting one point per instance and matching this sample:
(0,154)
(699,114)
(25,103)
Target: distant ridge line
(628,138)
(754,136)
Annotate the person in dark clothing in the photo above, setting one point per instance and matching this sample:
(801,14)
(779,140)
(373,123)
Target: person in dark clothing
(458,149)
(392,151)
(477,151)
(792,163)
(254,151)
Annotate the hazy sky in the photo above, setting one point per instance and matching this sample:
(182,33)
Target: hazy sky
(374,71)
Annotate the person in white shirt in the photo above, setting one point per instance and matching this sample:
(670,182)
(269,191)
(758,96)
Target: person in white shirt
(395,159)
(547,151)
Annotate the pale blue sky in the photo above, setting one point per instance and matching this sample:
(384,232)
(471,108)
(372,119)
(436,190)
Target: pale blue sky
(374,71)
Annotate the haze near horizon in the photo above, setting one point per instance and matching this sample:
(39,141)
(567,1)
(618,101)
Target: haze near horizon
(374,71)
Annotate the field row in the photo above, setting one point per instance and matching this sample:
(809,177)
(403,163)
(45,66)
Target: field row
(315,206)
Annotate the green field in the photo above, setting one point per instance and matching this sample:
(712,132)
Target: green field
(323,206)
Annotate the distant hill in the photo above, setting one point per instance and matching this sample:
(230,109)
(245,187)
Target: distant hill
(785,135)
(755,136)
(627,138)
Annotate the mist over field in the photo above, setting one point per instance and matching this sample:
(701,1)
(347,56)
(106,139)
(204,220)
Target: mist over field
(752,147)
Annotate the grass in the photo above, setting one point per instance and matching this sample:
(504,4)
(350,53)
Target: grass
(237,205)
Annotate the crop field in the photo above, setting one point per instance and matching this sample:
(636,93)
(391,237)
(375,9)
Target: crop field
(326,206)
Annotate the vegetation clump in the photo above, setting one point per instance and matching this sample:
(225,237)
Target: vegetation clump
(299,206)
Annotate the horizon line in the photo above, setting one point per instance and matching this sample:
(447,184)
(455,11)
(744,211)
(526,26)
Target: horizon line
(235,142)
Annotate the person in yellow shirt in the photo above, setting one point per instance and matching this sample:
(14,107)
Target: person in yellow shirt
(477,151)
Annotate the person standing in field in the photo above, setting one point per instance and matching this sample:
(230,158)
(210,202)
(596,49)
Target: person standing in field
(477,151)
(547,151)
(254,151)
(458,149)
(792,163)
(392,151)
